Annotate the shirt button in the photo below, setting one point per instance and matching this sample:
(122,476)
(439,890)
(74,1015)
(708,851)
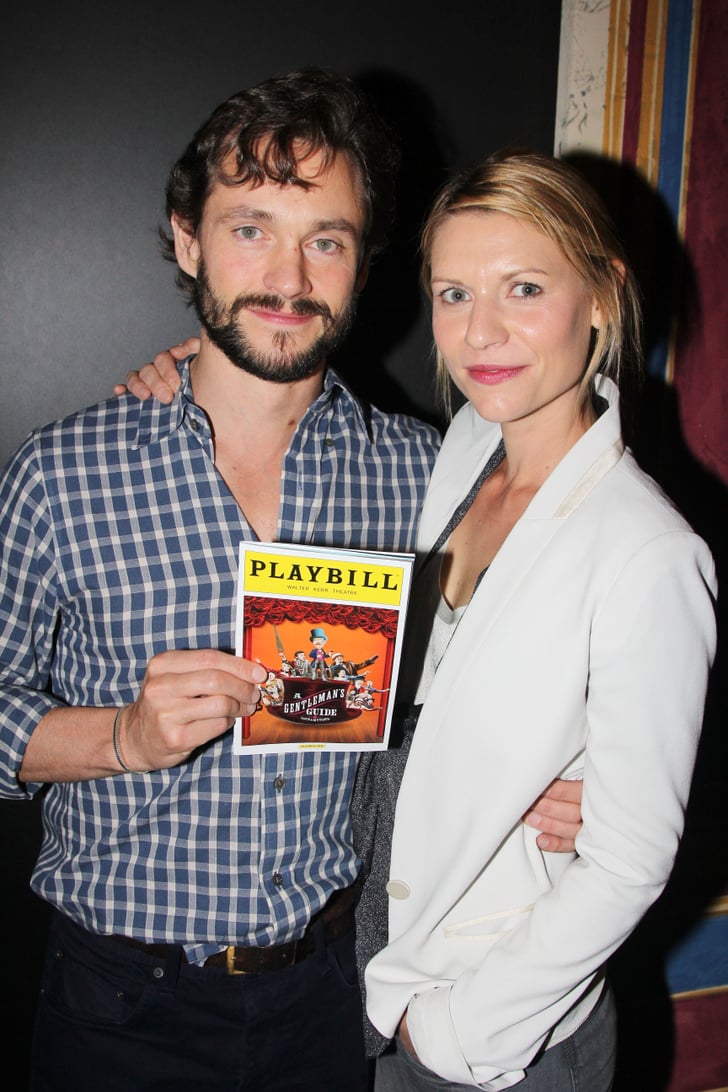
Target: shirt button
(277,879)
(329,442)
(195,425)
(398,889)
(279,782)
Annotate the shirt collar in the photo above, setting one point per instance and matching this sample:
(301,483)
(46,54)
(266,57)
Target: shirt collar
(335,389)
(158,420)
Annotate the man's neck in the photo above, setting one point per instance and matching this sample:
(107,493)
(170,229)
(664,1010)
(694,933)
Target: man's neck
(253,421)
(233,399)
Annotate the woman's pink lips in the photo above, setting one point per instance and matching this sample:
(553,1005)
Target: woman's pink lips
(492,374)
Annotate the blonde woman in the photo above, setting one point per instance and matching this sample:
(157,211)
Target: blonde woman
(571,619)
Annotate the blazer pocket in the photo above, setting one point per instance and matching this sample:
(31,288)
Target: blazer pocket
(487,927)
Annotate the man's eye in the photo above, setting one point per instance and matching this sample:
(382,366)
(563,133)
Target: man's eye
(326,246)
(248,232)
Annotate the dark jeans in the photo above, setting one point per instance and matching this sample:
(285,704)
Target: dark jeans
(119,1020)
(585,1062)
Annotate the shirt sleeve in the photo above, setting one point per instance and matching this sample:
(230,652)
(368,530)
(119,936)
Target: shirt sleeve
(28,612)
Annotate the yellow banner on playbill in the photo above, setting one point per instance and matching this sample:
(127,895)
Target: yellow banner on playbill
(321,577)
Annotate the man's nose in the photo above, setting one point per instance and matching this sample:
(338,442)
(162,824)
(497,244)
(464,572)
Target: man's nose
(286,274)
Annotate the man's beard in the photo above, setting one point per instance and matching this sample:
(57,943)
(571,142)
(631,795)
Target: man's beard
(282,363)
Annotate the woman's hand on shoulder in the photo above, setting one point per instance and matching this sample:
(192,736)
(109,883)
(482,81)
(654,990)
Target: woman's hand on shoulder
(160,379)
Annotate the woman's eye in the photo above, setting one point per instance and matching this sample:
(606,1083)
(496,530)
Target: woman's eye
(453,295)
(525,290)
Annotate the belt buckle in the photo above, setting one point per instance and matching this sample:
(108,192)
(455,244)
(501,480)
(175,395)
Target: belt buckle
(230,961)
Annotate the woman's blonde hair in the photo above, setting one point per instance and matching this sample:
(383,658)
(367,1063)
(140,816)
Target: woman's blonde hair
(557,200)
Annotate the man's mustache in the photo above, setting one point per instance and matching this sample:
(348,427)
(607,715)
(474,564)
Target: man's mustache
(277,303)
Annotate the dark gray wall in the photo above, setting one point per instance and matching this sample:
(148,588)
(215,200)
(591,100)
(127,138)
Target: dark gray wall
(99,99)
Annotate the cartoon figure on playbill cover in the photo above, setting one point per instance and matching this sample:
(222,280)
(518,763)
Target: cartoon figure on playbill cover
(327,625)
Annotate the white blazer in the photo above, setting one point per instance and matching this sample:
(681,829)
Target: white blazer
(585,649)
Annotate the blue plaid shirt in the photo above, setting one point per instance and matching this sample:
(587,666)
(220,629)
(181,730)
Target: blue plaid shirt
(118,540)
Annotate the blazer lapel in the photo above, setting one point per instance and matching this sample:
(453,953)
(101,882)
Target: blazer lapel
(468,445)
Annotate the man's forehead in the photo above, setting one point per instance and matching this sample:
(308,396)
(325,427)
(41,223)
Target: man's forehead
(331,198)
(317,170)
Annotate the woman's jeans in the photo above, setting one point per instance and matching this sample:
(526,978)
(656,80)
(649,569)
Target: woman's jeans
(584,1062)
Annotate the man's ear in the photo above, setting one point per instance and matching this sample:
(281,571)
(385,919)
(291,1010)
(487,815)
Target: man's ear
(363,274)
(186,247)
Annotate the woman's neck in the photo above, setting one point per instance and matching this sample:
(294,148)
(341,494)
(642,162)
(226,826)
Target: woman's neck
(535,445)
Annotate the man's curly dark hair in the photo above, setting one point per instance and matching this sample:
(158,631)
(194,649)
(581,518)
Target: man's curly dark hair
(271,128)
